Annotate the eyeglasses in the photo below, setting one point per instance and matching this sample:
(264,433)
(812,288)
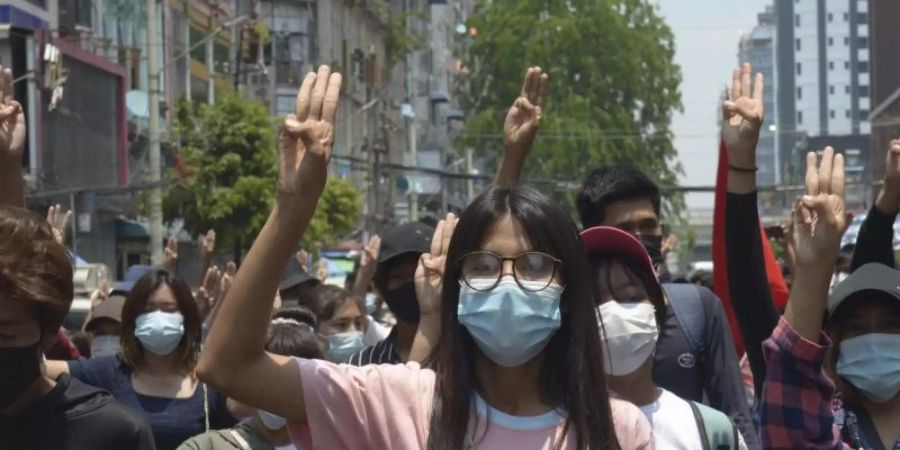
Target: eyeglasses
(533,271)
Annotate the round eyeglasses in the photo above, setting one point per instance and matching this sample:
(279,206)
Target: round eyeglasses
(533,271)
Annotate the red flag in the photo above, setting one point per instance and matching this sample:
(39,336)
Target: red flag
(777,286)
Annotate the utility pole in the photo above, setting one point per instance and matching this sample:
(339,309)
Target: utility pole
(411,122)
(470,183)
(156,217)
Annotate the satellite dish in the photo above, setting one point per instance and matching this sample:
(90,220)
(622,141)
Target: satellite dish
(138,104)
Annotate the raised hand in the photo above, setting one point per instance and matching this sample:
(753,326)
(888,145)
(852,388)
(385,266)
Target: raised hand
(430,272)
(819,217)
(12,120)
(524,117)
(888,200)
(58,222)
(209,244)
(100,295)
(207,294)
(227,278)
(303,258)
(322,271)
(307,136)
(171,253)
(369,258)
(743,114)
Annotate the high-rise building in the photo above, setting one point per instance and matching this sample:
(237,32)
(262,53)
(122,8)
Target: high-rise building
(822,66)
(885,76)
(758,48)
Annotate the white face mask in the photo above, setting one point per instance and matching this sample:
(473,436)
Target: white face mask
(629,333)
(104,346)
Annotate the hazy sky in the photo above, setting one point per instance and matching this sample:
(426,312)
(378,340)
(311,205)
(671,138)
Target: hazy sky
(706,36)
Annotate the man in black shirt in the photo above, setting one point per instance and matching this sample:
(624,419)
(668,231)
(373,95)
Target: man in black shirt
(37,412)
(401,248)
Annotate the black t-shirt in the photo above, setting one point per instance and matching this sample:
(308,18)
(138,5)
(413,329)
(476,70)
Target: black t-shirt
(75,416)
(173,420)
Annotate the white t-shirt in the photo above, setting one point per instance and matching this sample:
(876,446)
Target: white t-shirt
(673,423)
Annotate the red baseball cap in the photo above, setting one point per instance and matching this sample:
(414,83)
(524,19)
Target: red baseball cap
(599,241)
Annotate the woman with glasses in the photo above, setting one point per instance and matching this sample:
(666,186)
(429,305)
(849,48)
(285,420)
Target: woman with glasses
(515,364)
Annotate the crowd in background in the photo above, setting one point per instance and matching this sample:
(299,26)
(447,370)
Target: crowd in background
(509,326)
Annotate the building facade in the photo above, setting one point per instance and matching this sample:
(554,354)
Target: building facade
(758,48)
(884,52)
(822,65)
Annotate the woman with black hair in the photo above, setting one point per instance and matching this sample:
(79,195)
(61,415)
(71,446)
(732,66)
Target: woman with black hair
(524,374)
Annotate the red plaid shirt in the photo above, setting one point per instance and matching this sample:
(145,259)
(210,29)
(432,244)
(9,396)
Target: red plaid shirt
(796,410)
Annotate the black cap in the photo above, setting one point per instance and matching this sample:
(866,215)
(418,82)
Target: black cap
(294,275)
(870,277)
(414,237)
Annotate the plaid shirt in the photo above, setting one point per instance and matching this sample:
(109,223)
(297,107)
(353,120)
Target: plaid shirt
(796,410)
(798,400)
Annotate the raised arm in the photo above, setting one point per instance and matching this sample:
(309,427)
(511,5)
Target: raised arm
(818,223)
(429,283)
(796,409)
(521,126)
(875,241)
(209,251)
(234,359)
(368,262)
(12,143)
(748,284)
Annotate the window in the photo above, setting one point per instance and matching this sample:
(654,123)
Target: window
(862,17)
(830,17)
(831,114)
(862,41)
(864,114)
(847,65)
(830,42)
(799,69)
(831,90)
(830,65)
(846,40)
(863,91)
(797,20)
(847,113)
(864,66)
(847,89)
(846,16)
(799,93)
(797,42)
(800,117)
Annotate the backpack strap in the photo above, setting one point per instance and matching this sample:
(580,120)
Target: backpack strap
(716,430)
(685,301)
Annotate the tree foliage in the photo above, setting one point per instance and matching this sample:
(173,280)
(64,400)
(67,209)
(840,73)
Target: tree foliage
(337,213)
(226,169)
(613,83)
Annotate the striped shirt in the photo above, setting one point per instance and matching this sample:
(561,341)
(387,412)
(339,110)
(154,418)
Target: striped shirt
(380,353)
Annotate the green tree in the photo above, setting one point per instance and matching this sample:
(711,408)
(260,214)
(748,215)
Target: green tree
(613,84)
(226,169)
(337,213)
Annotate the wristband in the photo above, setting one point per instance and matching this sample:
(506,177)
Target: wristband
(743,169)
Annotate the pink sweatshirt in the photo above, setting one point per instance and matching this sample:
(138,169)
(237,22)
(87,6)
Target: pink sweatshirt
(388,407)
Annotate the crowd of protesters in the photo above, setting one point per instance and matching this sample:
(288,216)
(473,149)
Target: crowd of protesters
(508,327)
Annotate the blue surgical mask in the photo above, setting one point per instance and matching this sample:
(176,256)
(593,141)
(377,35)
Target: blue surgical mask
(344,345)
(509,324)
(159,332)
(871,363)
(271,421)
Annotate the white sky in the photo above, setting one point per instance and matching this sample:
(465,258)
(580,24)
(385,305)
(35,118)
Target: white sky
(706,38)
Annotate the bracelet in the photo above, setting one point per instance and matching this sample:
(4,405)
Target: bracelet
(743,169)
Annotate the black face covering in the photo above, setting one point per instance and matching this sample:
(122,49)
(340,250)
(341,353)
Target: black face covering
(19,367)
(403,302)
(653,244)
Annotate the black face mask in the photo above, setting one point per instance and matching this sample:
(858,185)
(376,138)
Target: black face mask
(19,367)
(653,244)
(403,302)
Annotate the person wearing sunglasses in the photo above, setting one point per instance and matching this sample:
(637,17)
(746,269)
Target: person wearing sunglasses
(545,391)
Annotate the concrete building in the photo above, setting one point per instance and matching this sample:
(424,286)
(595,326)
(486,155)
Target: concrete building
(822,66)
(758,48)
(884,52)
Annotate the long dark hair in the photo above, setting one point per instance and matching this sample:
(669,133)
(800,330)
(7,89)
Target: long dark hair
(572,372)
(188,349)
